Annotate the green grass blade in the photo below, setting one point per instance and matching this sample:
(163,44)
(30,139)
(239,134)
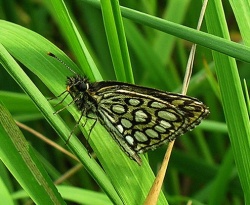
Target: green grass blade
(21,161)
(5,193)
(241,11)
(117,41)
(234,106)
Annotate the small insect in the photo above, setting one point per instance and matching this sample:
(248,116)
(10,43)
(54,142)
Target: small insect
(138,118)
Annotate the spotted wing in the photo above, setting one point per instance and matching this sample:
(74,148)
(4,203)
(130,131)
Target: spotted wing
(141,119)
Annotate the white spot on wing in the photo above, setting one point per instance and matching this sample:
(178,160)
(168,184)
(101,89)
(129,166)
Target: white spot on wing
(126,123)
(165,124)
(140,116)
(160,129)
(129,139)
(157,105)
(120,128)
(141,137)
(119,109)
(134,102)
(151,133)
(167,115)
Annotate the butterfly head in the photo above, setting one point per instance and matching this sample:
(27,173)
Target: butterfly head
(77,83)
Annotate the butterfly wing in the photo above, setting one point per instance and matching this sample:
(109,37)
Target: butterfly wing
(140,118)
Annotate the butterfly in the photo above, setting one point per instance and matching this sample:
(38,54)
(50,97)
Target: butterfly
(138,118)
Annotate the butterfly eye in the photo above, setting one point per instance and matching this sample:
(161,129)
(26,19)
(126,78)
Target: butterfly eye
(82,87)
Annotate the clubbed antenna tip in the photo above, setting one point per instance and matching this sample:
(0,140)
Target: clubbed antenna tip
(51,54)
(54,56)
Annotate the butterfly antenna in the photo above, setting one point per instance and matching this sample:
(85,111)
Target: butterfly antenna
(61,61)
